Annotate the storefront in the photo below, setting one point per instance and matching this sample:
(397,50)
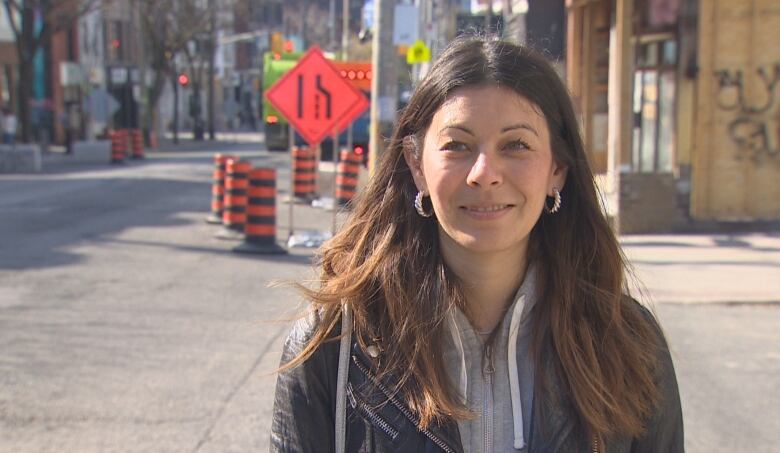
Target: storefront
(703,123)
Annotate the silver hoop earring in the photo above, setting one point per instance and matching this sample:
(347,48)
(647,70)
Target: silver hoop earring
(556,203)
(419,207)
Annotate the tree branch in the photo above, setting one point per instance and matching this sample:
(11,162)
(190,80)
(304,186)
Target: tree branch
(12,9)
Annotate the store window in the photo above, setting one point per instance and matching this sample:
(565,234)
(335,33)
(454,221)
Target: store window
(653,106)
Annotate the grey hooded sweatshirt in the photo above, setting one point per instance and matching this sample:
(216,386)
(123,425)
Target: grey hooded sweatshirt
(495,380)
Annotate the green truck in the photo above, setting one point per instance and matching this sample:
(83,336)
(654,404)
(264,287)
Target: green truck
(275,65)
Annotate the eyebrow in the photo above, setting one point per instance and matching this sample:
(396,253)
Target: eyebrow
(526,126)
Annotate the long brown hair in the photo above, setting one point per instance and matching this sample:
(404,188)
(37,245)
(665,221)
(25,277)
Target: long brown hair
(385,265)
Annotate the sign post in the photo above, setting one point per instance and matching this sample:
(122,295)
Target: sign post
(291,141)
(336,157)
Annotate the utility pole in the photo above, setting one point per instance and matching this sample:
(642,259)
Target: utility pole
(620,110)
(332,25)
(384,84)
(212,50)
(175,81)
(345,30)
(488,16)
(143,102)
(506,12)
(304,16)
(345,53)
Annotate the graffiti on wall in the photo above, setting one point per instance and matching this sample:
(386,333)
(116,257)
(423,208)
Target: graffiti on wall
(751,97)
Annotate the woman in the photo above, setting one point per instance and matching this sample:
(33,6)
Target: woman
(475,299)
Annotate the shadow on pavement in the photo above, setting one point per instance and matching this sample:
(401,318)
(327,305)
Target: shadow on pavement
(297,257)
(707,263)
(717,241)
(42,218)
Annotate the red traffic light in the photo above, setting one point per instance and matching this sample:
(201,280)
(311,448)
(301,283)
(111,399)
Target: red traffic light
(358,150)
(184,80)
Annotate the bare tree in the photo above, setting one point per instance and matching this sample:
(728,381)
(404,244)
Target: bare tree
(169,25)
(55,16)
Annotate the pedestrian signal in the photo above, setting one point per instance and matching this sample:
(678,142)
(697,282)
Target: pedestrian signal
(418,53)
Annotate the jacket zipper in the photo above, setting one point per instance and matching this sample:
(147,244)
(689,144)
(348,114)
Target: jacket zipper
(375,419)
(401,407)
(487,399)
(595,444)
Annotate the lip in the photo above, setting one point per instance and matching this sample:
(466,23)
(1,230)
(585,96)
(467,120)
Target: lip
(487,211)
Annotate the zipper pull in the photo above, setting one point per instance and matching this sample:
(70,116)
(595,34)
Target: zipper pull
(351,396)
(489,369)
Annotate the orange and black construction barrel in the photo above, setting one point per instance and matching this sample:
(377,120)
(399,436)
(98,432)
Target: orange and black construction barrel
(137,143)
(304,172)
(118,145)
(347,176)
(234,211)
(260,228)
(218,189)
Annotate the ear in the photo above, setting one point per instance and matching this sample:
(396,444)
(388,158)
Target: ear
(413,157)
(558,177)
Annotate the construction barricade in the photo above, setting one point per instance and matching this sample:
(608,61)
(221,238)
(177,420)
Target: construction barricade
(218,189)
(304,167)
(137,143)
(235,200)
(260,227)
(347,172)
(118,146)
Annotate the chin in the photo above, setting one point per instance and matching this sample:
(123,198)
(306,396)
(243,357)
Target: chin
(483,243)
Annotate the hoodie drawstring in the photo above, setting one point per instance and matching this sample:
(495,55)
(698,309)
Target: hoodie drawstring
(456,338)
(341,380)
(514,381)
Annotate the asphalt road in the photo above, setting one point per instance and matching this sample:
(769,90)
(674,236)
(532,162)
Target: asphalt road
(125,325)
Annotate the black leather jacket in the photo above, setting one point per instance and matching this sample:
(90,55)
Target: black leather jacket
(305,404)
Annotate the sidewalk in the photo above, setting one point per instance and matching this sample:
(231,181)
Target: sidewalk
(702,268)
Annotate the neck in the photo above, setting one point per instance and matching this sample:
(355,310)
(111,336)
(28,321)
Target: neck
(490,280)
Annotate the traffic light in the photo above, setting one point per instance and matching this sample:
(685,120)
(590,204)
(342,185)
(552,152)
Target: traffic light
(277,42)
(184,80)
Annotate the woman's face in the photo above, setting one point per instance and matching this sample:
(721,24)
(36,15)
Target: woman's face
(488,166)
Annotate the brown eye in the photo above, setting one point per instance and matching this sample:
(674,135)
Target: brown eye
(454,146)
(516,145)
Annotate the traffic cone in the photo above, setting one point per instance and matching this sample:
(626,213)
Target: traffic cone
(347,177)
(218,189)
(118,146)
(137,142)
(234,213)
(260,227)
(304,173)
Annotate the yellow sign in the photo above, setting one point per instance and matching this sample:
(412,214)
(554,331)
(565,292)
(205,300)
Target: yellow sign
(418,53)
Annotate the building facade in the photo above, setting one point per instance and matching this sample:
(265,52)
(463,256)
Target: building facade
(677,102)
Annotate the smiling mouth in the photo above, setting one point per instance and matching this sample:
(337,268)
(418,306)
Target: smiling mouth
(491,208)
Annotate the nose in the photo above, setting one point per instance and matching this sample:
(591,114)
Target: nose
(485,172)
